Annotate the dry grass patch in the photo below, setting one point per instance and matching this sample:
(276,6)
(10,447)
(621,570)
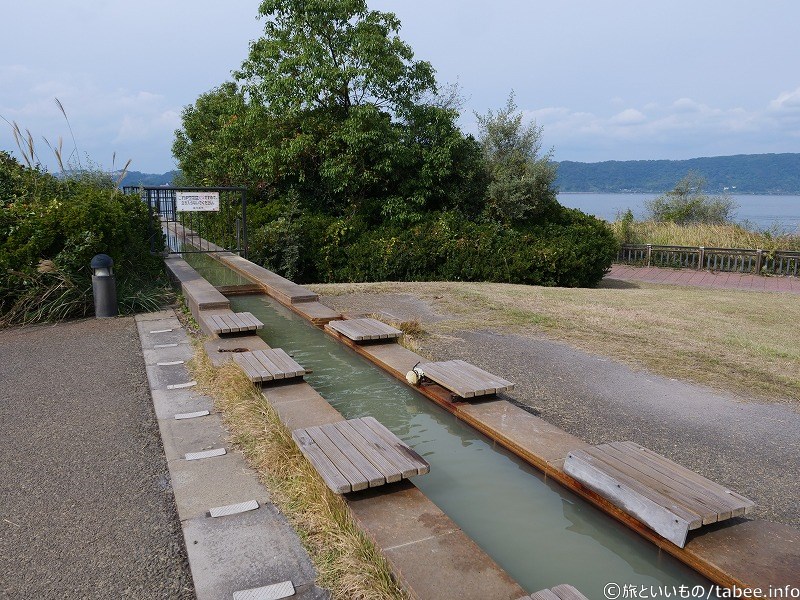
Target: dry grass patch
(743,342)
(347,562)
(412,332)
(703,234)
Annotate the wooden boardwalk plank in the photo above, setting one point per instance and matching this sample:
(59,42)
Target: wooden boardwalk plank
(498,382)
(660,519)
(568,592)
(464,379)
(220,326)
(287,363)
(559,592)
(664,495)
(267,365)
(447,378)
(687,496)
(332,477)
(694,495)
(271,367)
(361,452)
(251,319)
(450,375)
(402,450)
(731,498)
(265,373)
(251,371)
(336,454)
(231,322)
(368,473)
(629,478)
(482,385)
(545,595)
(366,329)
(378,453)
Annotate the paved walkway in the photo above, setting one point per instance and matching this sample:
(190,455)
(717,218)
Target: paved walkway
(86,507)
(707,279)
(252,545)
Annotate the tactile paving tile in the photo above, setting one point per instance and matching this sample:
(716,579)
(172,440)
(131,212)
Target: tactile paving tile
(232,509)
(269,592)
(205,454)
(192,415)
(182,386)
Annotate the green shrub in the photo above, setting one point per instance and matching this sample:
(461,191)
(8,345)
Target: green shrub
(570,249)
(49,232)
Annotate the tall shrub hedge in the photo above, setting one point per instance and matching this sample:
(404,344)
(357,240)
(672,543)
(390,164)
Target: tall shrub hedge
(51,228)
(568,249)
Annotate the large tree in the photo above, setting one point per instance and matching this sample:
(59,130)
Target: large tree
(362,169)
(331,108)
(522,179)
(333,54)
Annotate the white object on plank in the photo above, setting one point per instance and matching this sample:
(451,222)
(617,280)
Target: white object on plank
(206,454)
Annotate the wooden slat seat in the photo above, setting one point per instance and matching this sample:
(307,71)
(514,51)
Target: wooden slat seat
(665,496)
(559,592)
(366,329)
(227,322)
(358,454)
(268,365)
(463,379)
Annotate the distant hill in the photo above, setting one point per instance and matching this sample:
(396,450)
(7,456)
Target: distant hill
(740,174)
(136,178)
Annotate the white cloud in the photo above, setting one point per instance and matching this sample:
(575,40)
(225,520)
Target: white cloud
(141,127)
(137,124)
(682,128)
(629,116)
(786,102)
(688,105)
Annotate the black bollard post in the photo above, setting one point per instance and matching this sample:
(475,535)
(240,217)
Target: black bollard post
(104,286)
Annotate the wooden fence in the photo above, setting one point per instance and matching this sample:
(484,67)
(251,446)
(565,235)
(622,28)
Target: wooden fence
(741,260)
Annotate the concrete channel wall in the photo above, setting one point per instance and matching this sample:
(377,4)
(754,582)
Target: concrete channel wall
(741,552)
(428,552)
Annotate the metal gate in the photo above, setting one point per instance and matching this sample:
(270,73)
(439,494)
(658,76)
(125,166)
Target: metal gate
(196,229)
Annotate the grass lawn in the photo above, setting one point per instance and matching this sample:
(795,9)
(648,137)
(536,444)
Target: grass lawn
(744,342)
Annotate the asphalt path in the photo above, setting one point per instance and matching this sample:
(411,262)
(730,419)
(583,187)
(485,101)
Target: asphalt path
(86,508)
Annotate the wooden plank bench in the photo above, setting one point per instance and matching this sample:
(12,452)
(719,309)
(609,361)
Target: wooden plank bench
(222,323)
(559,592)
(268,365)
(360,330)
(665,496)
(463,379)
(358,454)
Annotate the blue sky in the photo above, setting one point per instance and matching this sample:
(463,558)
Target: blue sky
(611,80)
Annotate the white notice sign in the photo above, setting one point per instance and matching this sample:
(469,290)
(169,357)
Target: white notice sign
(197,201)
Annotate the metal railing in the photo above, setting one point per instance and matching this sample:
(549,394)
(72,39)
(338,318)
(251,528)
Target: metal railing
(225,228)
(734,260)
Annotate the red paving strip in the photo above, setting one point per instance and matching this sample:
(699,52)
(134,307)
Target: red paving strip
(690,277)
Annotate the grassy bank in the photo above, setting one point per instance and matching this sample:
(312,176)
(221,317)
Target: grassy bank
(347,562)
(699,234)
(730,340)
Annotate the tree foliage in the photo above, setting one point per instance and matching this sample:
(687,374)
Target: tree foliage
(521,180)
(686,203)
(50,229)
(352,153)
(332,55)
